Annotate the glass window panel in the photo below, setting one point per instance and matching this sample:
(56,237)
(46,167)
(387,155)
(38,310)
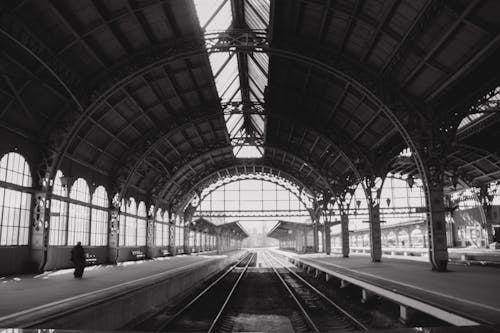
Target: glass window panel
(258,122)
(58,188)
(218,195)
(251,205)
(141,210)
(80,191)
(166,230)
(58,215)
(232,205)
(251,195)
(248,152)
(14,169)
(269,195)
(235,186)
(269,205)
(99,227)
(141,232)
(217,205)
(214,14)
(78,224)
(100,197)
(282,195)
(130,230)
(158,233)
(283,205)
(15,206)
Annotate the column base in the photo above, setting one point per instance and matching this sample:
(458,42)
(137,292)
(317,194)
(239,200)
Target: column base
(441,266)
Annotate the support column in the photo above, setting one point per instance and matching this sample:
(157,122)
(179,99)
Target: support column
(375,232)
(486,196)
(114,230)
(344,226)
(171,238)
(40,232)
(218,240)
(438,250)
(187,230)
(150,238)
(327,242)
(373,189)
(315,237)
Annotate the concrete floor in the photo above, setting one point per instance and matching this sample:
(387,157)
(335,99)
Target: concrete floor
(463,288)
(22,292)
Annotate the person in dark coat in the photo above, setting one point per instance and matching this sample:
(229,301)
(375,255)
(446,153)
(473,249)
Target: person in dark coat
(78,259)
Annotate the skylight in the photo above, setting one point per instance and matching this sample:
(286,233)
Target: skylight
(214,15)
(242,96)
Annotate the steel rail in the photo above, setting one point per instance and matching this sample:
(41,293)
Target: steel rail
(323,296)
(299,305)
(181,311)
(223,307)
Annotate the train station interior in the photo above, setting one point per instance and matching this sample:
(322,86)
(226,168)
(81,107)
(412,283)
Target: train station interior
(250,165)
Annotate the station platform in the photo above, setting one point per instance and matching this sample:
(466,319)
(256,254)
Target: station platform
(26,295)
(470,292)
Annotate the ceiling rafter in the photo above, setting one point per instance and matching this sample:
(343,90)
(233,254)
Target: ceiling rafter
(120,37)
(429,54)
(351,22)
(428,13)
(58,12)
(386,16)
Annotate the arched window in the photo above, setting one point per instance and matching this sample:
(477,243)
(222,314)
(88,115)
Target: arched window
(391,239)
(417,238)
(399,202)
(58,212)
(358,210)
(158,228)
(141,224)
(79,213)
(15,202)
(403,238)
(166,230)
(100,217)
(131,223)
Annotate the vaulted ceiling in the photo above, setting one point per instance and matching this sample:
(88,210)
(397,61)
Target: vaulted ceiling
(132,93)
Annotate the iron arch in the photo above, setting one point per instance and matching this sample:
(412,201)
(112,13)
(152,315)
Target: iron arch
(238,41)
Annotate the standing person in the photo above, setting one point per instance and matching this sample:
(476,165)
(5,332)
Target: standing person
(78,259)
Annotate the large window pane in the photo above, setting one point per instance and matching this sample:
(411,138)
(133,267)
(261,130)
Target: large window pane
(15,205)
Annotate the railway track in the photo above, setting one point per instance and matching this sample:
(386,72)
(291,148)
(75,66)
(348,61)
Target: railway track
(274,298)
(200,313)
(318,310)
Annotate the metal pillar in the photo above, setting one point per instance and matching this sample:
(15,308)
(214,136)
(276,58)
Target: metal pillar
(344,225)
(171,238)
(186,230)
(486,196)
(315,237)
(218,241)
(150,238)
(438,251)
(39,232)
(114,230)
(327,239)
(375,232)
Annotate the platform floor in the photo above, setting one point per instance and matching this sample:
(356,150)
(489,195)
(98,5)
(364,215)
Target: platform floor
(23,292)
(468,290)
